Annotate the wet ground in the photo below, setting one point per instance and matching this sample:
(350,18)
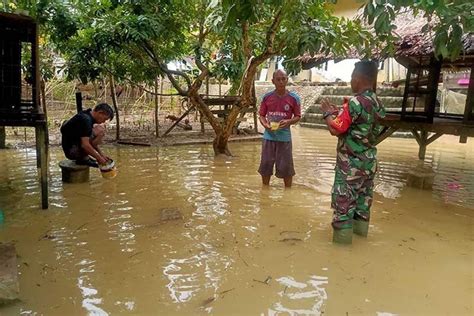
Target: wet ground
(102,247)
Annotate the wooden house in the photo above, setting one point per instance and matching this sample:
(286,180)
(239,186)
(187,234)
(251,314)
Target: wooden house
(19,85)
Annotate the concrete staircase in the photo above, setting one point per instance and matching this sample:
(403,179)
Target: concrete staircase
(390,97)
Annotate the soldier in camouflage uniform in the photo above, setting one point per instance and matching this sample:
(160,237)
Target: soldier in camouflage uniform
(356,126)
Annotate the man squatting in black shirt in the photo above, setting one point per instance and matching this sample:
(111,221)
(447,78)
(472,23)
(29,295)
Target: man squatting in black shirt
(82,134)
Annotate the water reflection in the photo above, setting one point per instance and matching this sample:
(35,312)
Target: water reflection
(90,300)
(300,298)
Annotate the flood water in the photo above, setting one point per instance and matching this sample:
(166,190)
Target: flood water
(240,249)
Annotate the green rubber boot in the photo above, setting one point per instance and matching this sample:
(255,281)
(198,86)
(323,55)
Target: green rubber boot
(361,228)
(342,236)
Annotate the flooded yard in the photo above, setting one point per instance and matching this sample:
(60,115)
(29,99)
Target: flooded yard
(240,249)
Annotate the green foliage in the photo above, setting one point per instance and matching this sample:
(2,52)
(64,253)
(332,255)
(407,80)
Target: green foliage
(452,18)
(134,40)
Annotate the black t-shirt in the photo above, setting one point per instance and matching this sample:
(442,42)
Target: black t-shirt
(80,125)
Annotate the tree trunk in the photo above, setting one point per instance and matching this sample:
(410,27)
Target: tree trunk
(247,100)
(114,102)
(220,144)
(223,131)
(2,137)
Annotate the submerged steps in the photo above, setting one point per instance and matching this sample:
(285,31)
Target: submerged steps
(391,99)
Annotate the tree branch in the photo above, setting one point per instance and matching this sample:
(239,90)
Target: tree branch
(271,34)
(245,40)
(273,30)
(198,50)
(149,91)
(169,73)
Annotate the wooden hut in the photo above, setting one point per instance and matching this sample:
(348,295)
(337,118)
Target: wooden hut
(419,111)
(19,85)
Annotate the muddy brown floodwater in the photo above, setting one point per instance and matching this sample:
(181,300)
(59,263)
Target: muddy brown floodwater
(102,248)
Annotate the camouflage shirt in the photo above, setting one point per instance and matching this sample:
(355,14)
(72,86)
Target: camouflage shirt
(356,148)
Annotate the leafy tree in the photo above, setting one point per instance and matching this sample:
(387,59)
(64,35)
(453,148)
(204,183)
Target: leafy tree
(453,19)
(226,39)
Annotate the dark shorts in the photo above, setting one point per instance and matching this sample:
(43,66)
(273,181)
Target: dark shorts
(74,152)
(279,154)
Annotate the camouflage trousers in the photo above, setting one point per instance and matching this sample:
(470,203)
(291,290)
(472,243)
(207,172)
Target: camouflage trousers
(351,198)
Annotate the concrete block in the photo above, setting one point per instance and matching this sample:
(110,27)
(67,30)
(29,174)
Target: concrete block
(73,173)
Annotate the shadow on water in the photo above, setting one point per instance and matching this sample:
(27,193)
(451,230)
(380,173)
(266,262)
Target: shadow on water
(239,249)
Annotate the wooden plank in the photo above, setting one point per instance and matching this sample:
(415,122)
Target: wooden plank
(433,138)
(224,112)
(9,284)
(442,126)
(222,101)
(179,120)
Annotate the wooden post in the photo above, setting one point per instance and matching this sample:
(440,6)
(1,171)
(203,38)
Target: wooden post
(73,173)
(207,95)
(42,162)
(469,109)
(405,94)
(423,141)
(38,146)
(422,144)
(78,101)
(255,113)
(157,109)
(45,110)
(178,120)
(433,80)
(115,104)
